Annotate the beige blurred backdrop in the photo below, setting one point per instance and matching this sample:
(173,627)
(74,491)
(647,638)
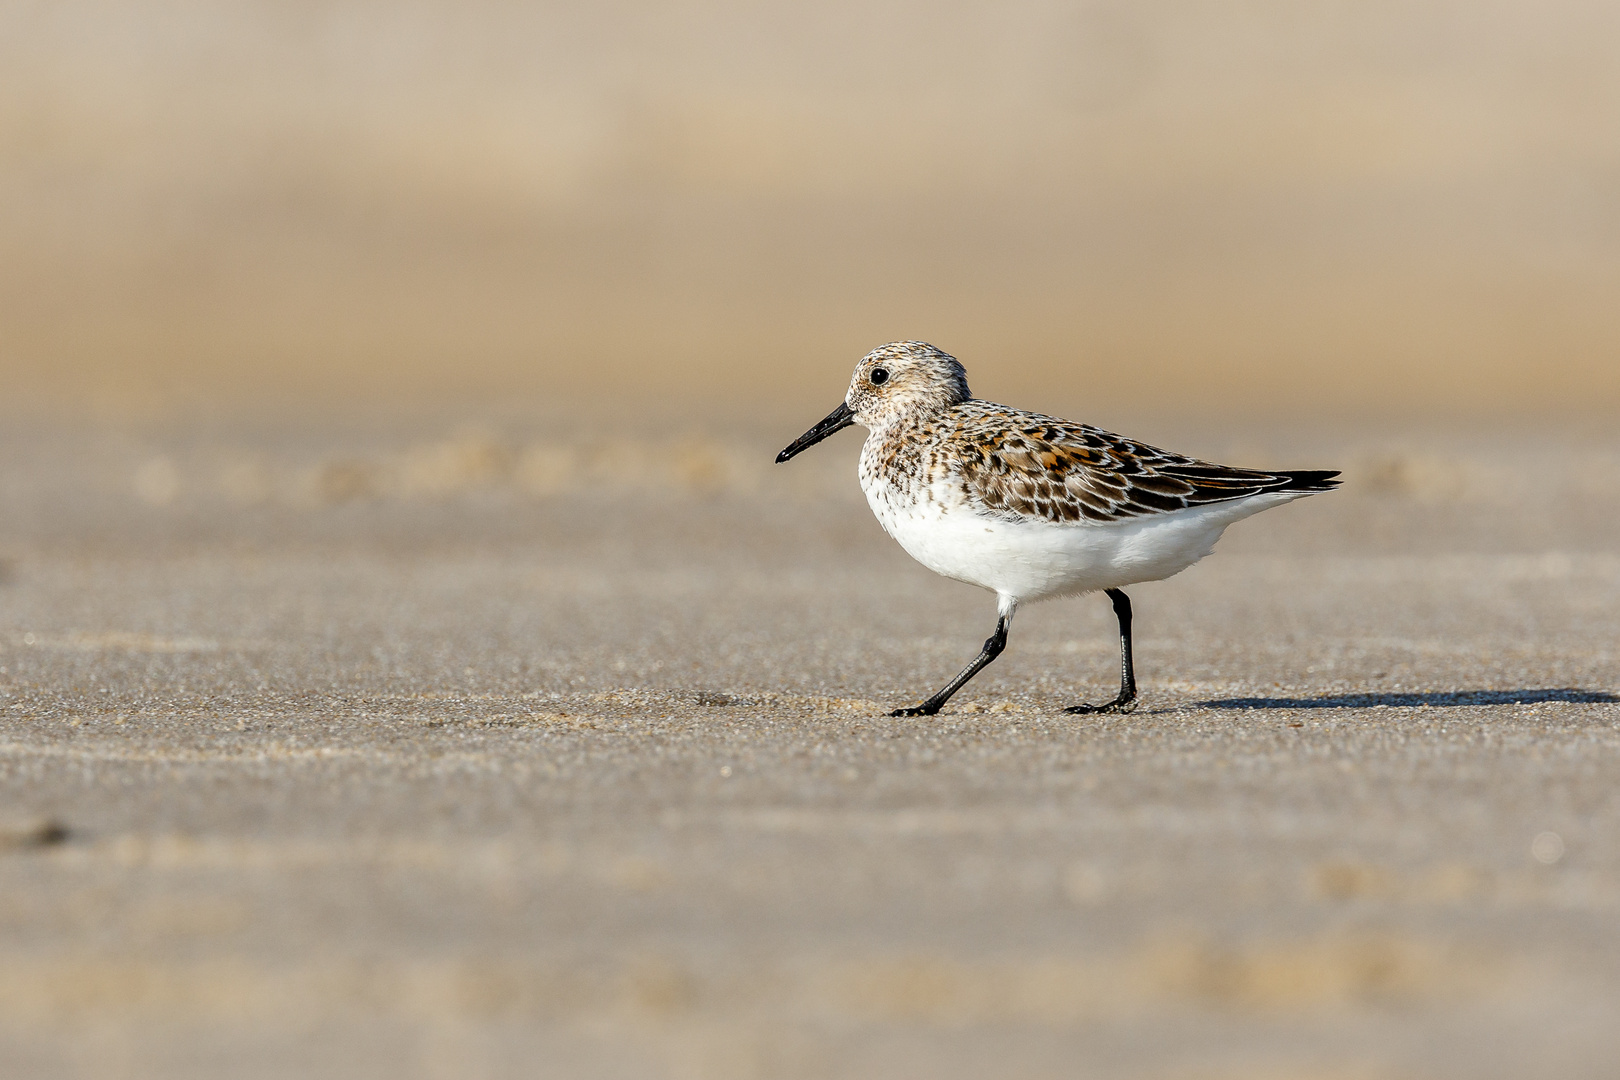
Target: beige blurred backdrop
(1341,207)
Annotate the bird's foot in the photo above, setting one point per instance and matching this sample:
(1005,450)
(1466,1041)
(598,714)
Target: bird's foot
(925,709)
(1121,705)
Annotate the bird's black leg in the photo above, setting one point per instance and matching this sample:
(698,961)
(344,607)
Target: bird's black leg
(992,649)
(1127,673)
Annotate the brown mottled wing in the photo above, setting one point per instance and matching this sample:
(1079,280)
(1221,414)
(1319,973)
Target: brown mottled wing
(1037,466)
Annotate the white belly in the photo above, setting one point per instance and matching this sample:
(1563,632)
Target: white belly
(1033,559)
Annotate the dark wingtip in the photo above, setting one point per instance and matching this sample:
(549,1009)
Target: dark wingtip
(1310,480)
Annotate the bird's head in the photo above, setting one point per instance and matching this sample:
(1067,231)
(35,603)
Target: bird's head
(894,381)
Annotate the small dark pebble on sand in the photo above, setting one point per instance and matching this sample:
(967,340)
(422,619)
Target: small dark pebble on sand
(19,834)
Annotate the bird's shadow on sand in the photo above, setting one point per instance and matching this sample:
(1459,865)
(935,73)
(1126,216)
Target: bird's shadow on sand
(1439,698)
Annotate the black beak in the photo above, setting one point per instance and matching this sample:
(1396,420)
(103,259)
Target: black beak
(837,420)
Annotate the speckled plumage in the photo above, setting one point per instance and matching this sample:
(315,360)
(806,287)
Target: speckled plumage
(1031,506)
(1015,465)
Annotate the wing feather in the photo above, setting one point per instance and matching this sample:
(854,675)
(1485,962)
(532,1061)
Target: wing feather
(1020,465)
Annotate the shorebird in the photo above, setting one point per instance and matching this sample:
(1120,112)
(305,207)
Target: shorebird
(1029,506)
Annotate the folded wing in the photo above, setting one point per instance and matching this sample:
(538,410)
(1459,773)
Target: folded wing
(1042,467)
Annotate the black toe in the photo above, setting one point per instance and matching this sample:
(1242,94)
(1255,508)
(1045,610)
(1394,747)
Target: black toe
(1115,706)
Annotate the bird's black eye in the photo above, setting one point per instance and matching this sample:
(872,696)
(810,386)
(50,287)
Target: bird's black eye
(879,376)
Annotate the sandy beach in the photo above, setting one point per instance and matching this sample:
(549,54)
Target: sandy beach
(413,665)
(413,748)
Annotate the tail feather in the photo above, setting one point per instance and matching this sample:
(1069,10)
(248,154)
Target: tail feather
(1309,480)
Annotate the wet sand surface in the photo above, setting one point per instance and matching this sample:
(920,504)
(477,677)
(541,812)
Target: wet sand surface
(414,750)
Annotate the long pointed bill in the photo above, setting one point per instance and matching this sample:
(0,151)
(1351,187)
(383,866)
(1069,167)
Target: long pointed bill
(837,420)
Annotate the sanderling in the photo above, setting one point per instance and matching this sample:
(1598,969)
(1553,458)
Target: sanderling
(1029,506)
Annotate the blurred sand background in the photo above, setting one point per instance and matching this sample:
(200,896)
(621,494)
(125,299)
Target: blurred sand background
(1357,207)
(412,665)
